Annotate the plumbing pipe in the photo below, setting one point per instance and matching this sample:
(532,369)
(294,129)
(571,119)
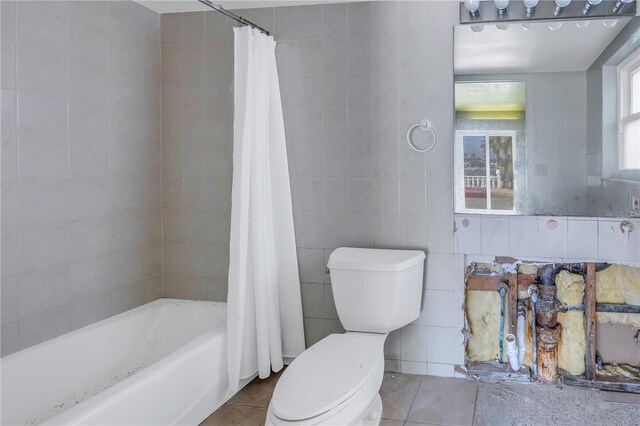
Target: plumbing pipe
(522,345)
(512,351)
(533,294)
(516,347)
(502,291)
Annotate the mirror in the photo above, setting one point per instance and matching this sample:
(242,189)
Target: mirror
(547,118)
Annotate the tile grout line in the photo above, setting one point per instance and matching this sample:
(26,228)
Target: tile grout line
(414,399)
(475,404)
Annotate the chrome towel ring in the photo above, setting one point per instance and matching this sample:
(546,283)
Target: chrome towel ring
(425,126)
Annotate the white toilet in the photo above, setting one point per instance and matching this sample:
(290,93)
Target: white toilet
(337,380)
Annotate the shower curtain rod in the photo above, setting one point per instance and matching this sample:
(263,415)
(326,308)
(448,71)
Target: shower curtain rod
(232,15)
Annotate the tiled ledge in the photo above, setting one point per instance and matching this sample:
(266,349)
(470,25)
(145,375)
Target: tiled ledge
(557,237)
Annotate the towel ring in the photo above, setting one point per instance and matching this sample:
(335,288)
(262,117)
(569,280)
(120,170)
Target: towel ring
(425,125)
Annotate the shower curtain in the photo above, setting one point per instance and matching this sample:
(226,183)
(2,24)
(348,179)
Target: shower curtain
(264,307)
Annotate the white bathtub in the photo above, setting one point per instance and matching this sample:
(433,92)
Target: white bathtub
(162,363)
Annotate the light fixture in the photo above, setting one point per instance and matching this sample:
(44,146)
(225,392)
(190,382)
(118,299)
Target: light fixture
(590,4)
(530,6)
(620,4)
(501,5)
(560,5)
(472,6)
(553,26)
(502,26)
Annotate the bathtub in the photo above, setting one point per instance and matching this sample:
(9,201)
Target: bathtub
(161,363)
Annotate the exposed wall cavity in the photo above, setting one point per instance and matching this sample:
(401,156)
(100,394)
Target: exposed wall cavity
(577,294)
(572,339)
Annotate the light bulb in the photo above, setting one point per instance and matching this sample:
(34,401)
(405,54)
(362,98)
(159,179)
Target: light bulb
(501,5)
(472,6)
(503,26)
(560,5)
(530,5)
(590,4)
(553,26)
(477,28)
(620,4)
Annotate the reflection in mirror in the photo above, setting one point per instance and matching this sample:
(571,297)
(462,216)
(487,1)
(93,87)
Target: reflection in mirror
(547,118)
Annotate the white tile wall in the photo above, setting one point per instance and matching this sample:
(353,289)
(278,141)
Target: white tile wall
(560,238)
(73,235)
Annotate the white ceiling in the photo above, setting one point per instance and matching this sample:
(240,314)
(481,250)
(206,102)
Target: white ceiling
(171,6)
(537,49)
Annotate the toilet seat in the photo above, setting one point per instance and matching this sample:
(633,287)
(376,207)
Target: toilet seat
(328,375)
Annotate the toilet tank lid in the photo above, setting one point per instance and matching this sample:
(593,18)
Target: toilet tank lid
(360,259)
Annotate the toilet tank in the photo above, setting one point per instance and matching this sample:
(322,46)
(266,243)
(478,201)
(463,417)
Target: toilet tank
(376,291)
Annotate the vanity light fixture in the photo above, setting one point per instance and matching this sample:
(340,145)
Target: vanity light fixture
(501,5)
(590,4)
(530,6)
(620,4)
(472,6)
(495,11)
(560,5)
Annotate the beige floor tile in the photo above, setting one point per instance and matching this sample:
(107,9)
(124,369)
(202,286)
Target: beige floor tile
(258,392)
(419,424)
(385,422)
(398,392)
(236,415)
(444,401)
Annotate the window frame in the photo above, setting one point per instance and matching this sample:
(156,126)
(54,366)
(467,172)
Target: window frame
(459,170)
(624,71)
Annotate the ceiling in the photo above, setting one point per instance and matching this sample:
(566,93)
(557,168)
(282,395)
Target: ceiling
(490,96)
(171,6)
(538,49)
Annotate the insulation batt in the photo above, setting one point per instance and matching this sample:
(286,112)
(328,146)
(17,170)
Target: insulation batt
(570,288)
(572,345)
(528,269)
(618,284)
(618,318)
(483,315)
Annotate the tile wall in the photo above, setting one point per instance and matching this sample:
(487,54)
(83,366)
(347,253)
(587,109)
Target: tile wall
(81,125)
(353,78)
(197,114)
(557,238)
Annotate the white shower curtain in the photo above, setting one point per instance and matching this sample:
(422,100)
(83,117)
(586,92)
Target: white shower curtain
(264,307)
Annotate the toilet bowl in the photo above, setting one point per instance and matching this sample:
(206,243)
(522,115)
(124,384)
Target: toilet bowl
(337,380)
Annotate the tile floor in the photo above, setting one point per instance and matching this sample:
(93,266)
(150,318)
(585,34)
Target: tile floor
(425,400)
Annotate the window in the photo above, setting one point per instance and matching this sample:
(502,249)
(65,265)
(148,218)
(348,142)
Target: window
(485,181)
(629,112)
(490,118)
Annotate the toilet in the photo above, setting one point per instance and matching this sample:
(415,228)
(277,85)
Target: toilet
(337,380)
